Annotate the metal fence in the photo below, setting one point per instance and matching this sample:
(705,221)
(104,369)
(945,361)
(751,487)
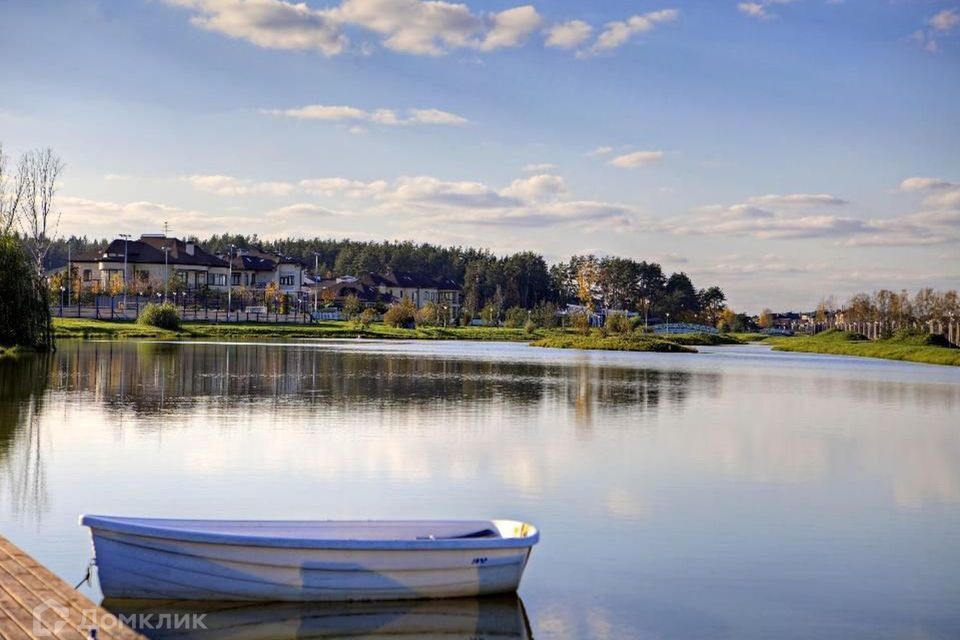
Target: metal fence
(112,308)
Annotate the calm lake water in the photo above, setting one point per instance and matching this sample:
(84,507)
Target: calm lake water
(737,493)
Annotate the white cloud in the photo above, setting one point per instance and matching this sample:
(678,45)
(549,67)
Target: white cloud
(435,116)
(511,27)
(796,216)
(945,21)
(342,186)
(925,41)
(539,167)
(538,188)
(753,9)
(940,194)
(924,184)
(230,186)
(301,209)
(940,24)
(384,117)
(568,35)
(433,27)
(421,27)
(797,199)
(416,27)
(538,200)
(270,24)
(636,159)
(760,9)
(600,151)
(616,34)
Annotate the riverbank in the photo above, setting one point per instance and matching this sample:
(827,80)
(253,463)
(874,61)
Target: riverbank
(628,342)
(926,349)
(67,328)
(109,330)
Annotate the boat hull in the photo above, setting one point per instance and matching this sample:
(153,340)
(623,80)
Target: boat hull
(130,565)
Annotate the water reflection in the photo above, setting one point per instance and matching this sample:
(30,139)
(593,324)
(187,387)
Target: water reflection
(154,377)
(488,618)
(736,493)
(23,381)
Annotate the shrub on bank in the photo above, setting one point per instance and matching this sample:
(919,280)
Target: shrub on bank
(401,314)
(24,303)
(617,323)
(515,317)
(162,316)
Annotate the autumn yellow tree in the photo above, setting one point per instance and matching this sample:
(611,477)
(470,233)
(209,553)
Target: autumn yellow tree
(270,294)
(587,276)
(766,319)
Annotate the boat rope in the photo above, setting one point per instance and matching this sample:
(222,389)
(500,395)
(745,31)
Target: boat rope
(87,575)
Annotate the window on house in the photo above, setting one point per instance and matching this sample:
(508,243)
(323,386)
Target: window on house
(286,281)
(87,274)
(235,279)
(217,279)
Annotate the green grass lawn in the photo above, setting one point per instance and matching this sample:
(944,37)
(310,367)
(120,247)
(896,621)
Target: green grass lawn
(624,342)
(911,347)
(105,329)
(635,341)
(749,336)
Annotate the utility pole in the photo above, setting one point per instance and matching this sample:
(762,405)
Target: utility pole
(316,278)
(166,270)
(69,273)
(230,280)
(126,241)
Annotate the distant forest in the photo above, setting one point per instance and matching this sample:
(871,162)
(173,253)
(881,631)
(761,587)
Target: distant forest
(522,279)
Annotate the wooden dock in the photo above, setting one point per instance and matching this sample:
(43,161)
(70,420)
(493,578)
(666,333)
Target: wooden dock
(34,603)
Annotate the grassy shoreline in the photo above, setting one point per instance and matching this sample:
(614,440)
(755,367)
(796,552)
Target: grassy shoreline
(924,349)
(67,328)
(117,330)
(613,343)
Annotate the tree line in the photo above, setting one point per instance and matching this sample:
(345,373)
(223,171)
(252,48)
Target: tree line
(521,280)
(895,308)
(28,219)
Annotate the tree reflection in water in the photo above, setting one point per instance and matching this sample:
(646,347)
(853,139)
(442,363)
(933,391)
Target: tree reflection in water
(158,377)
(23,384)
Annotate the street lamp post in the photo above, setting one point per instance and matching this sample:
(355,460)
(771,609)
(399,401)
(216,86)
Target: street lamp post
(126,242)
(668,323)
(69,273)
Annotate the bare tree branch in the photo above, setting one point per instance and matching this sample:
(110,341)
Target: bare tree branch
(11,195)
(37,174)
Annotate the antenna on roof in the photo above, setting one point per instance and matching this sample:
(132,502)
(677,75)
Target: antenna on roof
(166,228)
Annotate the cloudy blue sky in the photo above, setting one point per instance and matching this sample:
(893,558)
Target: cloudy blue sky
(785,149)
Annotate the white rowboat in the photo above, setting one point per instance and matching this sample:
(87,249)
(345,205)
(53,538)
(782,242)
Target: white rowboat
(308,561)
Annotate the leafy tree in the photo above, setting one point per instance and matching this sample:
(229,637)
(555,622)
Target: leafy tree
(766,319)
(712,302)
(367,317)
(617,323)
(352,307)
(428,315)
(515,318)
(24,299)
(580,321)
(401,314)
(587,276)
(490,315)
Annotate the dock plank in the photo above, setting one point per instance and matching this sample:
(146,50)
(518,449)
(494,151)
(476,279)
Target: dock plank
(25,585)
